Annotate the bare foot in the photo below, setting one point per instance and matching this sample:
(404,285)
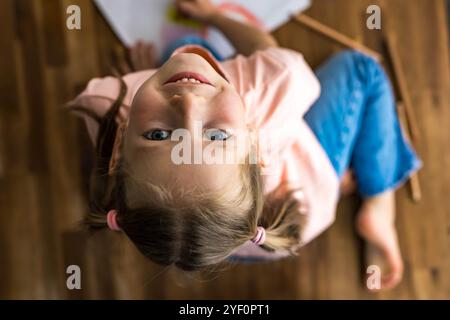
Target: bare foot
(376,224)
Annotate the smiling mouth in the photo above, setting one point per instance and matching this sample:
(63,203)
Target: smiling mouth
(188,78)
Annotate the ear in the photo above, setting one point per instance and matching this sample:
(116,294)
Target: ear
(115,155)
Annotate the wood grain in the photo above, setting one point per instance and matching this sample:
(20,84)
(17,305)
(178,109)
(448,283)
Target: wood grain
(43,163)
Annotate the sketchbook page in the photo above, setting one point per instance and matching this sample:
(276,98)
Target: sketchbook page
(266,14)
(157,21)
(134,20)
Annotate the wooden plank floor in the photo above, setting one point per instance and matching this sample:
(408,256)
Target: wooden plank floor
(42,189)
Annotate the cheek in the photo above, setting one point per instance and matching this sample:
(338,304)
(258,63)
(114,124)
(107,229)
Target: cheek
(146,108)
(230,108)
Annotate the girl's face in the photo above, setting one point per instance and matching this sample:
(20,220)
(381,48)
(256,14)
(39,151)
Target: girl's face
(206,106)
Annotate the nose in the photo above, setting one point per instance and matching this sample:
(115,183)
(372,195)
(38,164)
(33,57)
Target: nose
(191,106)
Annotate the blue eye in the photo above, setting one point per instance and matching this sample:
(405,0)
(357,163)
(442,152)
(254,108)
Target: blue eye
(157,134)
(216,135)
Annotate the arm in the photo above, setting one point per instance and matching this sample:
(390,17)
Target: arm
(245,38)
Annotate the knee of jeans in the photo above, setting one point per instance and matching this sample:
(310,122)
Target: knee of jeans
(368,70)
(348,57)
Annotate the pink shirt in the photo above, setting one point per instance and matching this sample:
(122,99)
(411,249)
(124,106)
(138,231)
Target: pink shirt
(277,87)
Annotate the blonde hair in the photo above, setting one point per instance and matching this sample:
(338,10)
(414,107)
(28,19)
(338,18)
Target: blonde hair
(200,231)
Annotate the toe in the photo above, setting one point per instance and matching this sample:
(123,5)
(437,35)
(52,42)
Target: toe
(395,265)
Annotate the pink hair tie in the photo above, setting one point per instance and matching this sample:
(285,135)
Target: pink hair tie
(260,236)
(111,219)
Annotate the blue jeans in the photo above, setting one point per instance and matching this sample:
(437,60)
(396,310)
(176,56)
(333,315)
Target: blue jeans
(356,122)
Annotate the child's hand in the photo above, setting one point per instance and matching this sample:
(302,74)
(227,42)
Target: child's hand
(200,10)
(140,56)
(143,56)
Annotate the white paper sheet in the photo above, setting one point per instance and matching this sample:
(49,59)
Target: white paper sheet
(150,20)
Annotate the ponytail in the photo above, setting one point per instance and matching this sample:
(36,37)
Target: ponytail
(284,227)
(103,185)
(280,215)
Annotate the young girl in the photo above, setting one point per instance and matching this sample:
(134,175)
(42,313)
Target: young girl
(310,129)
